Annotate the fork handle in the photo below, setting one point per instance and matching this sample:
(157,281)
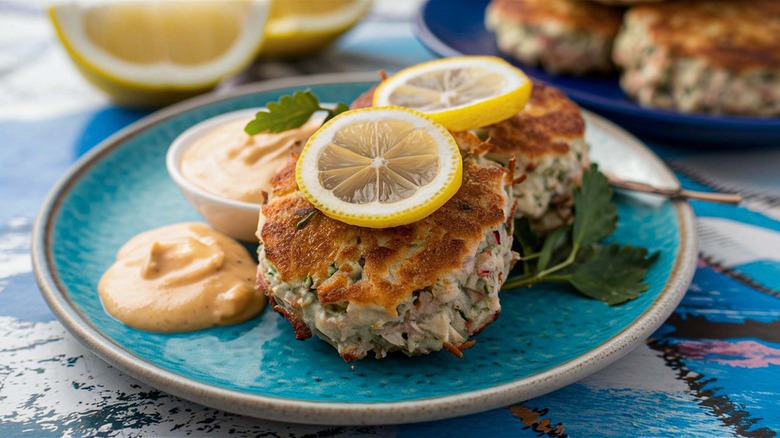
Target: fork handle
(723,198)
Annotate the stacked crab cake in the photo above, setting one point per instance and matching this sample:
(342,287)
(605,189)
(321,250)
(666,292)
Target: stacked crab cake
(563,36)
(547,139)
(414,288)
(715,56)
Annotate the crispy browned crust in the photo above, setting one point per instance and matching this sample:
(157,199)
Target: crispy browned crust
(457,350)
(479,330)
(733,34)
(545,126)
(470,144)
(302,332)
(396,261)
(453,350)
(468,344)
(580,15)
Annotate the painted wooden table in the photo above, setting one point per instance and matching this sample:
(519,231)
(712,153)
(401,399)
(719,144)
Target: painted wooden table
(713,369)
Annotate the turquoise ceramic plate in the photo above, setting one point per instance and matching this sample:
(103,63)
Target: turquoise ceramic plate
(544,339)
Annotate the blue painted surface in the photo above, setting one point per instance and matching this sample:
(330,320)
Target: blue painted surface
(103,124)
(33,156)
(723,299)
(748,387)
(461,30)
(129,191)
(21,299)
(762,271)
(623,412)
(495,423)
(726,336)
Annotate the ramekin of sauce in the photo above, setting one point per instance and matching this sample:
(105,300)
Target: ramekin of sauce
(225,173)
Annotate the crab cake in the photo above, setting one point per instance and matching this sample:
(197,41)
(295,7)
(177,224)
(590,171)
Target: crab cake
(563,36)
(415,288)
(713,56)
(547,139)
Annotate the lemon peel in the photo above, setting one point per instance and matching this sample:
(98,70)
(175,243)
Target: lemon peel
(302,27)
(461,93)
(147,53)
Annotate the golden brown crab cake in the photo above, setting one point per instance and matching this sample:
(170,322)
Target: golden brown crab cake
(547,138)
(563,36)
(713,56)
(416,288)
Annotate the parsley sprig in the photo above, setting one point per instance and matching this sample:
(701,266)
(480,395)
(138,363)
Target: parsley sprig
(611,273)
(290,112)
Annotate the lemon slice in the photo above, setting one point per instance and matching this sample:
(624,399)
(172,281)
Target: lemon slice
(155,52)
(299,27)
(379,167)
(461,93)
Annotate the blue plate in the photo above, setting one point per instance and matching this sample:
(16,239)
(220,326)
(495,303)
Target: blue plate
(545,338)
(448,30)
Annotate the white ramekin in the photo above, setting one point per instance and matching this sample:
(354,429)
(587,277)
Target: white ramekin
(237,219)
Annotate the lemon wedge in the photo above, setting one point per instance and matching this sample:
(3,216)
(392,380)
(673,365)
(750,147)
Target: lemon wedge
(379,167)
(300,27)
(155,52)
(461,93)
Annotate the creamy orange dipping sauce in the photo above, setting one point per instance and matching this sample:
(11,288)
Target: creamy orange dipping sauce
(230,163)
(179,278)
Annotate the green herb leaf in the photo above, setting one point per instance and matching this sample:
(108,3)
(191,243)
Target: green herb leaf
(306,218)
(572,255)
(612,274)
(289,112)
(552,243)
(340,108)
(527,240)
(525,235)
(595,215)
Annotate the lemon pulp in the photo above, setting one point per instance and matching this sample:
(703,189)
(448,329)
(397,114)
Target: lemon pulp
(383,161)
(461,93)
(379,167)
(151,53)
(164,32)
(443,89)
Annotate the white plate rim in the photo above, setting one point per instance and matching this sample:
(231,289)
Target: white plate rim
(338,413)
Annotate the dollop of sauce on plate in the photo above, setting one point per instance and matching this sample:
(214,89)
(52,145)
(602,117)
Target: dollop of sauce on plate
(181,277)
(230,163)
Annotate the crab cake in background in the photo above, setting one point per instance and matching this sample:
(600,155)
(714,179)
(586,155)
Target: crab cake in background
(563,36)
(416,288)
(712,56)
(547,139)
